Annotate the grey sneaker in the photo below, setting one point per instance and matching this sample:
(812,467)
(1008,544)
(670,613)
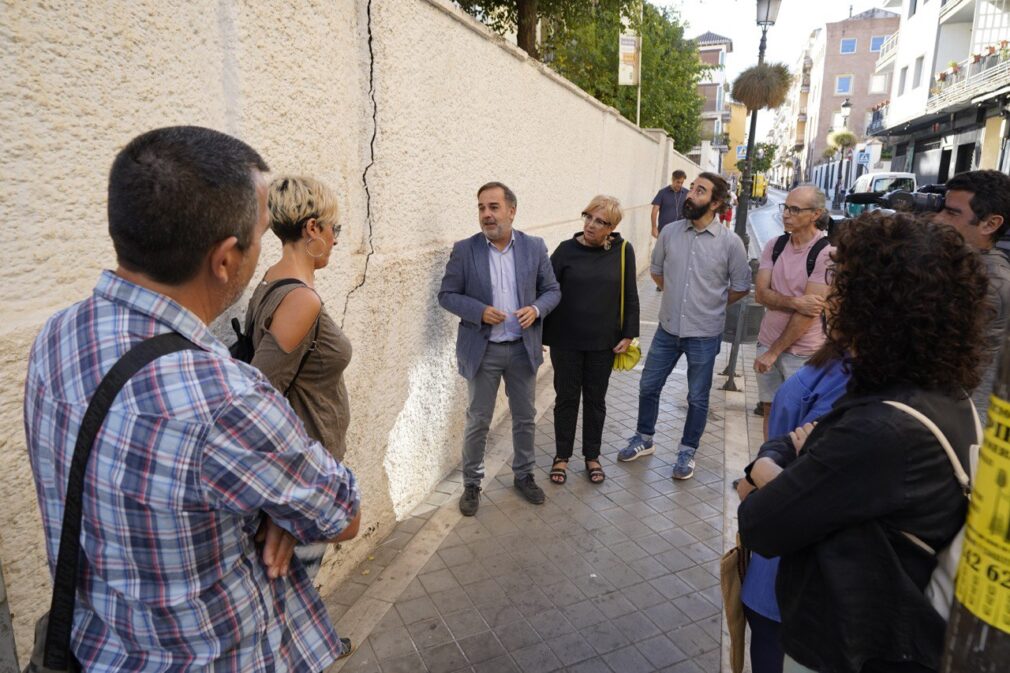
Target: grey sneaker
(470,500)
(684,467)
(528,487)
(637,446)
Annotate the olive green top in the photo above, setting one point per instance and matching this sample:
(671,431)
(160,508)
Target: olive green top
(318,396)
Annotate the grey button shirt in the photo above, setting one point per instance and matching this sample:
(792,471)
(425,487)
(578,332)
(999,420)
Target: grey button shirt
(699,268)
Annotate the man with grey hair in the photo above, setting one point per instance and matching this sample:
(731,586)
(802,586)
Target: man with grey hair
(792,284)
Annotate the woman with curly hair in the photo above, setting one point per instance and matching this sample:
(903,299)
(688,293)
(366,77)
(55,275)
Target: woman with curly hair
(835,501)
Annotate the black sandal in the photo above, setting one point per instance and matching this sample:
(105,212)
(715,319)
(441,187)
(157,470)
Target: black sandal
(559,475)
(596,474)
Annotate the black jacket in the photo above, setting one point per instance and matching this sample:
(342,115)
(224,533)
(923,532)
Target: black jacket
(850,585)
(588,317)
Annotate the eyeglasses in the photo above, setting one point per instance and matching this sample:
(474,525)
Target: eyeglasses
(589,219)
(792,210)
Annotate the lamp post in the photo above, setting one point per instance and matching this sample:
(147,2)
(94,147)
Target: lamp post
(846,160)
(767,12)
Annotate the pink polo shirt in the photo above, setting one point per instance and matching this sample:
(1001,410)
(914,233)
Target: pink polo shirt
(789,278)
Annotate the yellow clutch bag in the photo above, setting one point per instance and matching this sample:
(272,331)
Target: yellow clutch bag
(626,361)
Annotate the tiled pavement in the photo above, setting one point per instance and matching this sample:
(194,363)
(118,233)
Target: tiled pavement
(620,577)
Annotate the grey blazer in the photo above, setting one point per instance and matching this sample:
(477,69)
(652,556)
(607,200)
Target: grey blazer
(466,291)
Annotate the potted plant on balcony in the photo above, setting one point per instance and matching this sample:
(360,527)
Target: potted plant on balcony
(975,58)
(990,50)
(763,86)
(955,67)
(941,76)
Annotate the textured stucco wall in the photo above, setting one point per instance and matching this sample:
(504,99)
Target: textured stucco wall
(453,108)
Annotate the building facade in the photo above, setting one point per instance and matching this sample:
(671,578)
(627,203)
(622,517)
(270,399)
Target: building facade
(790,125)
(843,70)
(949,70)
(712,49)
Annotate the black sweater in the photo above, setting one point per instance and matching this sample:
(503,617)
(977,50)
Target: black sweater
(588,315)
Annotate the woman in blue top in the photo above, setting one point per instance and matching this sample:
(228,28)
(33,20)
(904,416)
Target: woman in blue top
(804,397)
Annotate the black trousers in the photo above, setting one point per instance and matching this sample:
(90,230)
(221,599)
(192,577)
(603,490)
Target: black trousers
(584,374)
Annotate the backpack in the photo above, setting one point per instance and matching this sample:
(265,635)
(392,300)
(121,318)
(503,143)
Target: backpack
(243,348)
(815,250)
(940,590)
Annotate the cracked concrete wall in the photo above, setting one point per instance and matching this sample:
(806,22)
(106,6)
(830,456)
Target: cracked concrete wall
(404,108)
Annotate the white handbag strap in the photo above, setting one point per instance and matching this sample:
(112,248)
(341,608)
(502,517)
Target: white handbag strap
(962,477)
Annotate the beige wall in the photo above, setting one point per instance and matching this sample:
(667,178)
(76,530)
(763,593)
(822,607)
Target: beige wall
(453,108)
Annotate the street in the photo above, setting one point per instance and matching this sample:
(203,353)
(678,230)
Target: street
(765,223)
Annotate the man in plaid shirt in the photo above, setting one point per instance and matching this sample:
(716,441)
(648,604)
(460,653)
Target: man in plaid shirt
(201,478)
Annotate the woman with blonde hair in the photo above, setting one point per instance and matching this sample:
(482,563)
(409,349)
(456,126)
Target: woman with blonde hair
(298,346)
(586,330)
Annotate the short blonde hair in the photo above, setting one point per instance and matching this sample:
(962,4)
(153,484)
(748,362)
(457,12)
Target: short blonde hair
(293,199)
(611,208)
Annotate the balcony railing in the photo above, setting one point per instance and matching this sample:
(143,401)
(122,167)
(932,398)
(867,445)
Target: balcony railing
(887,50)
(969,79)
(878,121)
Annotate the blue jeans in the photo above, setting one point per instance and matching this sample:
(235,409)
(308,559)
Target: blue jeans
(664,352)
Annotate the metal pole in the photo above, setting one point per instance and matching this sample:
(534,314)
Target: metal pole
(641,43)
(8,651)
(746,179)
(734,352)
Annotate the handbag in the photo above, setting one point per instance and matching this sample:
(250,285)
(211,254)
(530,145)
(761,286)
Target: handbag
(51,651)
(732,569)
(626,361)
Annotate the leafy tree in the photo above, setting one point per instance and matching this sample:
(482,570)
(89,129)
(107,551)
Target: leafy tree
(764,155)
(586,53)
(522,15)
(580,41)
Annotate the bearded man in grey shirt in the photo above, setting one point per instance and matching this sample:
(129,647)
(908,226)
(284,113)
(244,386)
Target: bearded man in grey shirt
(702,267)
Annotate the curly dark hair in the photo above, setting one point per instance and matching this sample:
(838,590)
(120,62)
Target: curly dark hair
(907,304)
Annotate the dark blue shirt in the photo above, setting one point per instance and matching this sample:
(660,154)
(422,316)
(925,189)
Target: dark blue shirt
(671,205)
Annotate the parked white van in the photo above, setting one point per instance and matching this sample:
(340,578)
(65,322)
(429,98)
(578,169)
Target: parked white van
(878,183)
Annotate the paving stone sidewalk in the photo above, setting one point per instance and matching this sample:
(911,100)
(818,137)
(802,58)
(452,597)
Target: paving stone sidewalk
(620,577)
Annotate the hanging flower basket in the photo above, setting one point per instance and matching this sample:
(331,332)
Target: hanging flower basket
(763,86)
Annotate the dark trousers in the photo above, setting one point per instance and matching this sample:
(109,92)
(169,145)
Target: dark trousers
(584,374)
(766,654)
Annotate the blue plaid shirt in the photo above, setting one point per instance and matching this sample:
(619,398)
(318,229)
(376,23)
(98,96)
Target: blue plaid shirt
(196,448)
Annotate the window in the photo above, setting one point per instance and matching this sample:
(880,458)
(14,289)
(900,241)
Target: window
(911,8)
(878,84)
(902,79)
(843,85)
(917,75)
(876,42)
(848,45)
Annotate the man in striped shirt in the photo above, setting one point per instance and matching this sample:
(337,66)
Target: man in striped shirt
(201,478)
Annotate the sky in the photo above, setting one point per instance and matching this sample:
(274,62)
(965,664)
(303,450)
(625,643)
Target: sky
(735,19)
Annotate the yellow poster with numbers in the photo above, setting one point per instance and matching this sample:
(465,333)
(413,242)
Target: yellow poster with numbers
(983,576)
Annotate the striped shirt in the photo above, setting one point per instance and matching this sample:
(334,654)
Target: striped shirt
(504,290)
(195,450)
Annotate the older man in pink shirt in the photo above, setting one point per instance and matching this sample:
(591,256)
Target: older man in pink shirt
(791,284)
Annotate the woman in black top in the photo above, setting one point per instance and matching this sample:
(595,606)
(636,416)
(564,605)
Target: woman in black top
(585,330)
(905,315)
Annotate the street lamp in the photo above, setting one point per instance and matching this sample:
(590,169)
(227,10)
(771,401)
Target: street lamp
(846,161)
(767,12)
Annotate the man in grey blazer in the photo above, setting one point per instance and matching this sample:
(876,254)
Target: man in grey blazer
(501,285)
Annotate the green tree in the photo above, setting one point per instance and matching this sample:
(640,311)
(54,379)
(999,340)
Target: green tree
(522,15)
(586,52)
(764,156)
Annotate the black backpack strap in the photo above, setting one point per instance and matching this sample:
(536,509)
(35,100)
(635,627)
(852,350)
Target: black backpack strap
(277,285)
(815,250)
(780,245)
(61,612)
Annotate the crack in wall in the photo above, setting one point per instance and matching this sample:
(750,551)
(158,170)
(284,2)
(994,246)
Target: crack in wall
(371,162)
